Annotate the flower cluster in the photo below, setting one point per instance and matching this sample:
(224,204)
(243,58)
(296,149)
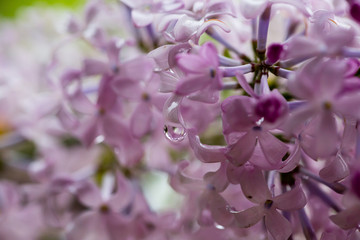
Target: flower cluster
(182,119)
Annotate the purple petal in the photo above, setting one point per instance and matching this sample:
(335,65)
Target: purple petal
(89,194)
(190,84)
(251,9)
(217,205)
(249,217)
(348,218)
(253,185)
(291,200)
(237,114)
(94,67)
(336,170)
(278,226)
(218,179)
(131,69)
(240,152)
(274,149)
(326,138)
(141,120)
(141,19)
(205,153)
(293,160)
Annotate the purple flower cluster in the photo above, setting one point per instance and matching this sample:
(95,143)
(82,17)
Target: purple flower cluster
(248,109)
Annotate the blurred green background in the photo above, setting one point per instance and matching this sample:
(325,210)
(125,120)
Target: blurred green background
(9,8)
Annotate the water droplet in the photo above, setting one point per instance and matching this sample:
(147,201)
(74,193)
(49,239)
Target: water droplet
(99,139)
(231,209)
(174,133)
(218,226)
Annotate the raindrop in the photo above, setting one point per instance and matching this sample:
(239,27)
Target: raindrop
(218,226)
(174,134)
(99,139)
(231,209)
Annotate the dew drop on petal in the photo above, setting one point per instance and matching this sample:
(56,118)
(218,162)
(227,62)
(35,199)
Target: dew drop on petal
(99,139)
(174,133)
(218,226)
(231,209)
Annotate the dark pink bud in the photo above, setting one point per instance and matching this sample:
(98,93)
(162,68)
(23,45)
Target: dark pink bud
(271,108)
(355,184)
(273,53)
(355,11)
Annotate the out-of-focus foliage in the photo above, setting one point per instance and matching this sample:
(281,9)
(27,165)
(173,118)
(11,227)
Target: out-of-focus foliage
(9,8)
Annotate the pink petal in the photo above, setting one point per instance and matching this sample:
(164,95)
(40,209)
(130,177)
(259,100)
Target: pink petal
(89,194)
(192,63)
(291,200)
(131,69)
(293,160)
(237,114)
(190,84)
(209,53)
(184,28)
(218,207)
(68,120)
(336,170)
(91,12)
(89,225)
(81,103)
(217,180)
(348,105)
(252,8)
(114,130)
(127,88)
(123,195)
(94,67)
(245,85)
(298,118)
(141,120)
(233,173)
(206,95)
(141,19)
(274,149)
(348,218)
(211,23)
(240,152)
(278,226)
(89,131)
(205,153)
(326,138)
(249,217)
(253,185)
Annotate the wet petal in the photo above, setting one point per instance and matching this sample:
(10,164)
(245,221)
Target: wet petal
(217,205)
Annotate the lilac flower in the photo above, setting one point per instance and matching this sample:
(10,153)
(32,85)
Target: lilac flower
(104,219)
(202,79)
(254,188)
(240,115)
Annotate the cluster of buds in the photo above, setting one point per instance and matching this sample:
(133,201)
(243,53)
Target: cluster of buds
(182,119)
